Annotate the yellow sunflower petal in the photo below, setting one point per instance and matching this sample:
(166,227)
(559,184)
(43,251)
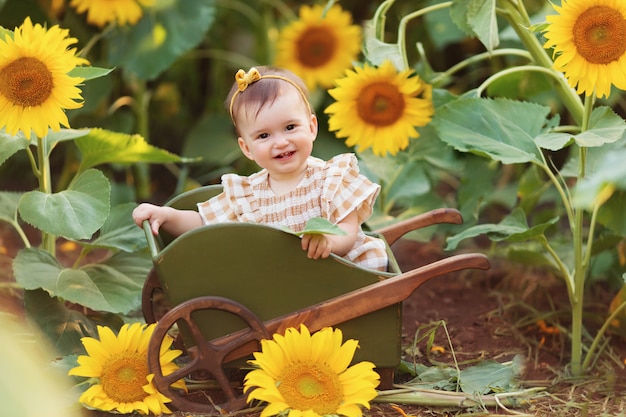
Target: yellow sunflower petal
(298,344)
(322,345)
(109,340)
(314,380)
(103,12)
(272,358)
(124,384)
(589,42)
(288,344)
(88,367)
(342,356)
(319,48)
(273,409)
(41,57)
(94,348)
(379,108)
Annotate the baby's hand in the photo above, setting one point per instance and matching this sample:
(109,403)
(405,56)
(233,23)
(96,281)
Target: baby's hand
(317,246)
(156,215)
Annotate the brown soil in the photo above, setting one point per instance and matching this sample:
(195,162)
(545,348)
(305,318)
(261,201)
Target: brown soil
(488,315)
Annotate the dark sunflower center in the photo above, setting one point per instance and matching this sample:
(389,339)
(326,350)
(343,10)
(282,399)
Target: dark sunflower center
(380,104)
(26,82)
(316,47)
(600,35)
(311,386)
(123,377)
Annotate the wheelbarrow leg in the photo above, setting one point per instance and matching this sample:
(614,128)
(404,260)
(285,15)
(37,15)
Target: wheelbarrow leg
(386,378)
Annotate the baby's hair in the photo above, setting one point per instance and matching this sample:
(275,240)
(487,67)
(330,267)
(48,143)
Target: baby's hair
(252,95)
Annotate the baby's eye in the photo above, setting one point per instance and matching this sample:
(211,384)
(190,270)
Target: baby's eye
(263,136)
(291,127)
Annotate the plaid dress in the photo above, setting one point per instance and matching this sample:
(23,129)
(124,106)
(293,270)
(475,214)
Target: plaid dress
(331,189)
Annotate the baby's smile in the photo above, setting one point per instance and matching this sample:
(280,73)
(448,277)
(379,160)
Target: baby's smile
(285,155)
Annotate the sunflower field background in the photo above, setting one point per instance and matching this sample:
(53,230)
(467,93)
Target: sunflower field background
(511,111)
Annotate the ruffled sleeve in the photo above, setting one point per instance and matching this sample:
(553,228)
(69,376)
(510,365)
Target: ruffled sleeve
(345,190)
(234,204)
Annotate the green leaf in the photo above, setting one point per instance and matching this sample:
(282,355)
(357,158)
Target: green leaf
(478,18)
(378,52)
(532,257)
(525,85)
(500,129)
(9,144)
(554,141)
(52,138)
(375,50)
(320,226)
(64,327)
(439,378)
(410,182)
(160,37)
(112,286)
(9,202)
(441,28)
(532,187)
(221,150)
(120,279)
(596,188)
(611,215)
(120,231)
(512,228)
(401,177)
(491,376)
(75,213)
(89,73)
(4,32)
(458,13)
(103,146)
(604,127)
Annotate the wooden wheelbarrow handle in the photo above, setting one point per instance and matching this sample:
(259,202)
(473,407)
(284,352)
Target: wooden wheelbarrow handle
(359,302)
(154,246)
(395,231)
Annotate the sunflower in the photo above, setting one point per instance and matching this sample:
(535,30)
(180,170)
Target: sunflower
(379,108)
(589,41)
(308,375)
(120,366)
(102,12)
(319,48)
(35,87)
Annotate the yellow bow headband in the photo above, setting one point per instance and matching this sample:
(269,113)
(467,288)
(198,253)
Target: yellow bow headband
(244,79)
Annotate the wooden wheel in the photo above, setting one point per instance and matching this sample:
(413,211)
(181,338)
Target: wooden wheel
(204,355)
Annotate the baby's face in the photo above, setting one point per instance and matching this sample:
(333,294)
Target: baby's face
(280,137)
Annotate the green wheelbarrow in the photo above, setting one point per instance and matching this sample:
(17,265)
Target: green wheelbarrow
(231,285)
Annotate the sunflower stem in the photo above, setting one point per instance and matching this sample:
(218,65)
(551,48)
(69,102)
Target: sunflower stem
(380,17)
(45,186)
(405,20)
(94,39)
(598,337)
(520,23)
(567,277)
(512,70)
(476,58)
(141,170)
(580,258)
(283,8)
